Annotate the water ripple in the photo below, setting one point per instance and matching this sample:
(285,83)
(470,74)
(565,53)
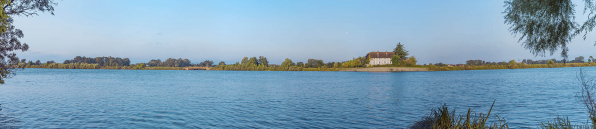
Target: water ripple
(57,98)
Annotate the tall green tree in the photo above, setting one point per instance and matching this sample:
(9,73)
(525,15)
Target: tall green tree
(300,64)
(244,61)
(10,35)
(253,62)
(319,63)
(263,61)
(287,63)
(206,63)
(310,63)
(512,64)
(401,51)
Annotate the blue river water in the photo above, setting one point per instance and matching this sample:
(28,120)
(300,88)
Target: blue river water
(69,98)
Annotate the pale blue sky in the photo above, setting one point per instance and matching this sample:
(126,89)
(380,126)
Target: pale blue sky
(433,31)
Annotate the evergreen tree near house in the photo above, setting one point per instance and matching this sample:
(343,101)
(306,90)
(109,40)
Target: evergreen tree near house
(400,51)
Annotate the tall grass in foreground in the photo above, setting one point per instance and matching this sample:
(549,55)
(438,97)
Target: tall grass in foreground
(442,118)
(562,123)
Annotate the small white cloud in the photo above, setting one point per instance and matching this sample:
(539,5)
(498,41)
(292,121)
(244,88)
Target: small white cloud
(347,32)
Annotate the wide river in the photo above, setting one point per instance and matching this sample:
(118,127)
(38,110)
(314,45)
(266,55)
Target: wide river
(67,98)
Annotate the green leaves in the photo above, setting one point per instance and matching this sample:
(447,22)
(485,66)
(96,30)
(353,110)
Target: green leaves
(10,35)
(547,25)
(395,60)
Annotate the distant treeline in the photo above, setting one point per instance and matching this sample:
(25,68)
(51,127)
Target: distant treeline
(101,61)
(579,59)
(400,59)
(85,63)
(526,63)
(170,62)
(113,63)
(253,63)
(511,65)
(261,64)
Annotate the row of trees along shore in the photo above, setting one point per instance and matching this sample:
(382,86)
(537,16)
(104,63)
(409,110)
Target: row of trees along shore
(400,59)
(253,63)
(112,63)
(261,64)
(512,64)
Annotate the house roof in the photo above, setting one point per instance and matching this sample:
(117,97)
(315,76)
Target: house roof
(381,54)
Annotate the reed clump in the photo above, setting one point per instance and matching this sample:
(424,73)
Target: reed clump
(562,123)
(442,118)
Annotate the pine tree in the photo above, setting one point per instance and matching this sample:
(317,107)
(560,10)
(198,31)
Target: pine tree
(400,51)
